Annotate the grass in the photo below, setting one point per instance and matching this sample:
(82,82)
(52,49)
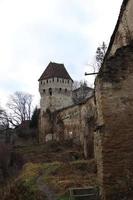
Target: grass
(64,197)
(52,151)
(60,168)
(58,176)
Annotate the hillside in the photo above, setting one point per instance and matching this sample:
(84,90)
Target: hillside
(50,170)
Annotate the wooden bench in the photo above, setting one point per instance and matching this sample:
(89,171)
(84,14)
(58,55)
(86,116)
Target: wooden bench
(89,193)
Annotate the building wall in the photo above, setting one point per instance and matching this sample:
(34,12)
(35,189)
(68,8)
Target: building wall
(74,122)
(61,94)
(81,93)
(114,102)
(124,30)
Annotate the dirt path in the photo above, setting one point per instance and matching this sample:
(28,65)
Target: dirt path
(45,189)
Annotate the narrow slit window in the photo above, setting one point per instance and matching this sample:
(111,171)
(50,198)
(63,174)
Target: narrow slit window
(50,91)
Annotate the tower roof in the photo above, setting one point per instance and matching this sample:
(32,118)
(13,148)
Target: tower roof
(55,70)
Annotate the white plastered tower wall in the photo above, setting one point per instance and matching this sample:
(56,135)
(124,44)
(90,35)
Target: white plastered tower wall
(56,93)
(55,87)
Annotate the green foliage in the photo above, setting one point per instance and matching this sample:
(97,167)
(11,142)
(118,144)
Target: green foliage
(52,169)
(35,118)
(28,190)
(100,53)
(56,170)
(64,197)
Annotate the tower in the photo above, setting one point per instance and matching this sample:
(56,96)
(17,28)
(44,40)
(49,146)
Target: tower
(55,87)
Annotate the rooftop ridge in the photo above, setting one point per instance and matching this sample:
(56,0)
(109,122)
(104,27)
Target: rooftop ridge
(53,70)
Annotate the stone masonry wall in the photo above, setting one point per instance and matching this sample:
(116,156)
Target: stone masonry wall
(79,123)
(61,94)
(123,33)
(114,102)
(114,136)
(75,122)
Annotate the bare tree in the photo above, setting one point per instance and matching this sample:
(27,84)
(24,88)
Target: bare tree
(99,57)
(78,84)
(81,91)
(4,122)
(20,106)
(100,53)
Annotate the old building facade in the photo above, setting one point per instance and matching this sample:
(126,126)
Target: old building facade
(61,116)
(55,87)
(114,102)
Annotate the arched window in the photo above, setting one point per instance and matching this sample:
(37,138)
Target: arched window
(65,90)
(50,91)
(47,80)
(59,89)
(43,90)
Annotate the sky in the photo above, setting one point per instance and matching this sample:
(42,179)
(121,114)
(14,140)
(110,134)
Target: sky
(35,32)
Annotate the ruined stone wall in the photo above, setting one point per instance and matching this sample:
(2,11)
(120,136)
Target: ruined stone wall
(114,135)
(45,127)
(124,28)
(74,122)
(78,123)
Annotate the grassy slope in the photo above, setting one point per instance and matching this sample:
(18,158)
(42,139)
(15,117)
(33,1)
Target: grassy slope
(59,166)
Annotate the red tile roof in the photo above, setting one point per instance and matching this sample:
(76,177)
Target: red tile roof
(55,70)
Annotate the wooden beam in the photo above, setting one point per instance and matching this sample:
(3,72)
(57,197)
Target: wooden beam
(94,73)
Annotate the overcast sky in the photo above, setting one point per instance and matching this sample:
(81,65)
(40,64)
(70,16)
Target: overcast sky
(35,32)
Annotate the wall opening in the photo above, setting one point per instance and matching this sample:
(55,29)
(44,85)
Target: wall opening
(50,91)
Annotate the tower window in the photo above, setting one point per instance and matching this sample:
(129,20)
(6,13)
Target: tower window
(43,90)
(41,82)
(57,80)
(53,79)
(60,90)
(65,90)
(62,80)
(47,81)
(50,91)
(68,81)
